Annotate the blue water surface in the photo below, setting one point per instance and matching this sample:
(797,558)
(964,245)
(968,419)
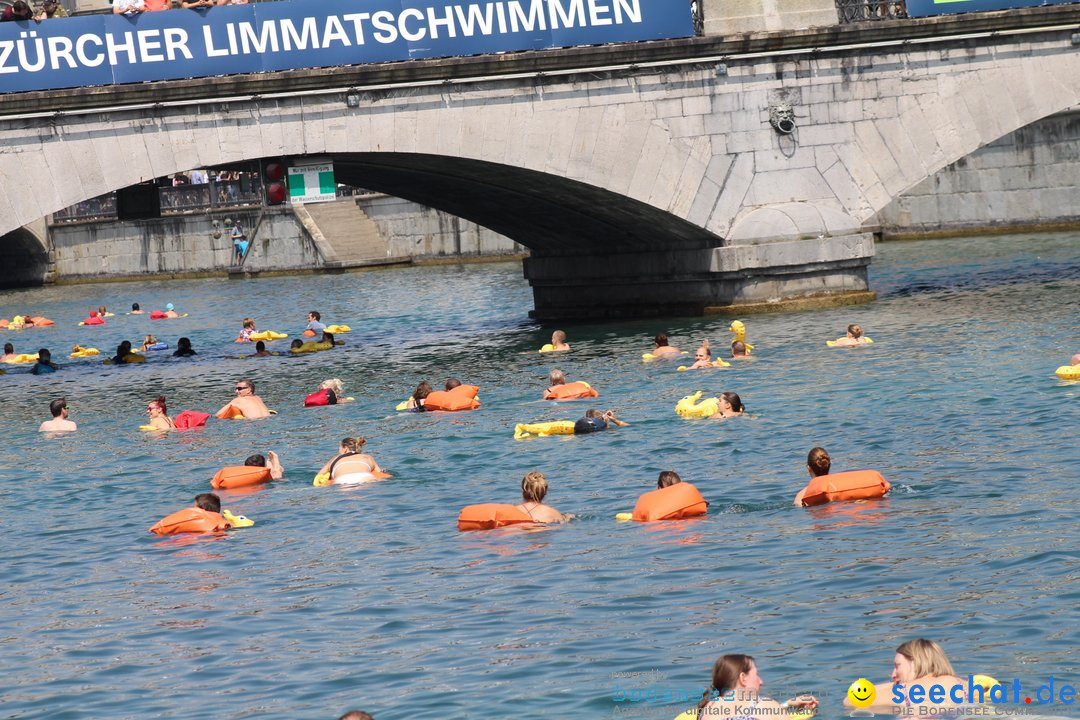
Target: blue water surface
(368,597)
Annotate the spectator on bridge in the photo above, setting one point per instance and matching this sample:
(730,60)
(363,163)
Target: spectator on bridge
(196,4)
(18,10)
(198,177)
(50,9)
(180,179)
(128,7)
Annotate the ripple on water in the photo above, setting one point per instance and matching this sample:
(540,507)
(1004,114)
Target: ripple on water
(367,596)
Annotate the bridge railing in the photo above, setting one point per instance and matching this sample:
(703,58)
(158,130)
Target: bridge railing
(851,11)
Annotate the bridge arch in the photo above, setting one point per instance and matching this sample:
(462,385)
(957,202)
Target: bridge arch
(675,165)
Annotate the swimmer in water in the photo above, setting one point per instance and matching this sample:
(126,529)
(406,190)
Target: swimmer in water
(730,405)
(416,400)
(169,312)
(296,344)
(183,348)
(818,463)
(558,342)
(702,357)
(534,488)
(148,341)
(44,364)
(123,353)
(351,466)
(735,693)
(919,662)
(159,418)
(261,351)
(246,401)
(9,353)
(335,391)
(1075,358)
(738,351)
(246,330)
(59,422)
(452,383)
(595,421)
(667,478)
(271,461)
(662,348)
(135,310)
(327,338)
(103,312)
(854,337)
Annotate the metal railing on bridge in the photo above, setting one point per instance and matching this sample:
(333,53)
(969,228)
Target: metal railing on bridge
(851,11)
(177,200)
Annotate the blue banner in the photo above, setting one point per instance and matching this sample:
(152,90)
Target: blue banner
(233,39)
(922,8)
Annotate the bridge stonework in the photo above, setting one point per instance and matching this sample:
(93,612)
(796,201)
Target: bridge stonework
(637,189)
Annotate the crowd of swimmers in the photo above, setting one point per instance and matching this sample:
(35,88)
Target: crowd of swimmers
(736,684)
(126,352)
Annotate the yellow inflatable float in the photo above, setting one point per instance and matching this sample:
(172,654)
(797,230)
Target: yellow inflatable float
(338,329)
(310,347)
(558,427)
(84,352)
(717,363)
(1068,372)
(650,357)
(129,358)
(739,329)
(690,407)
(268,335)
(23,358)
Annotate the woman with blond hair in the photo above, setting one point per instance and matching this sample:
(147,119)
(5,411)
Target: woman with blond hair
(921,663)
(534,487)
(351,466)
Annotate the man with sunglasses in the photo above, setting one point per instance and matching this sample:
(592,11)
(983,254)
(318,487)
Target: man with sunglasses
(59,422)
(246,402)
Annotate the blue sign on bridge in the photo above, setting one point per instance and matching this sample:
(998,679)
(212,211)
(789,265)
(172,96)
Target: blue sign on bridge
(232,39)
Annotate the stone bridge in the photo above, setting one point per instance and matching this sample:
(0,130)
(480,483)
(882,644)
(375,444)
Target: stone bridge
(644,178)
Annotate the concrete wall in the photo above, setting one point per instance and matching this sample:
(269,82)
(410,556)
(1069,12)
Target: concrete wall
(1029,177)
(186,244)
(176,245)
(412,230)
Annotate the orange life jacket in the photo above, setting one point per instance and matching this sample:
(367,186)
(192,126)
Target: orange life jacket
(570,391)
(853,485)
(491,515)
(157,315)
(463,397)
(231,412)
(675,502)
(190,520)
(239,476)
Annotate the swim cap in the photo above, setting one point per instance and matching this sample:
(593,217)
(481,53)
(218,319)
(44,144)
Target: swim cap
(169,306)
(589,425)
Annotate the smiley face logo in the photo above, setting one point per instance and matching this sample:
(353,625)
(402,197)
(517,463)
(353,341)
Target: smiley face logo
(861,693)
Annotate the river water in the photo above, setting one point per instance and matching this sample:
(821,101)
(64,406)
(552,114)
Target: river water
(368,597)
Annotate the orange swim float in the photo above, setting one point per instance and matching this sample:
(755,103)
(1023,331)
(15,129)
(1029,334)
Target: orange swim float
(231,413)
(570,391)
(463,397)
(853,485)
(491,515)
(675,502)
(190,520)
(41,321)
(239,476)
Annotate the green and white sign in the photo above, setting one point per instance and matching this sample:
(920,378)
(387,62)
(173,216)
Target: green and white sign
(312,182)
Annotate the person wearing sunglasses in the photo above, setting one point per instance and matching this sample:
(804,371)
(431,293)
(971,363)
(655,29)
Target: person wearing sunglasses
(159,418)
(246,403)
(59,422)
